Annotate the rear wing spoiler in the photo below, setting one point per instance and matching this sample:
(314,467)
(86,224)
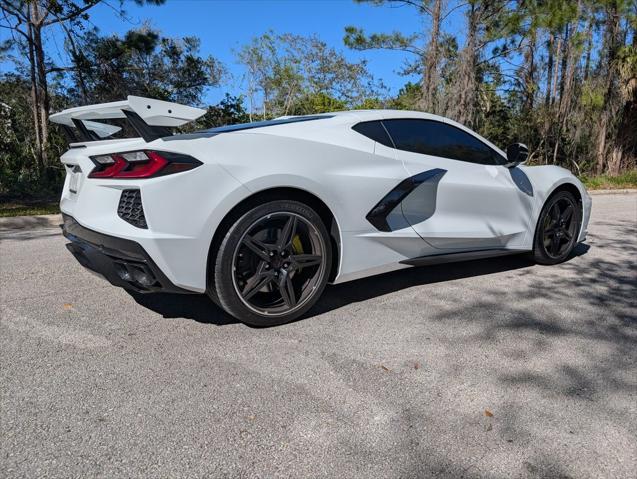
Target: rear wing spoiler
(151,119)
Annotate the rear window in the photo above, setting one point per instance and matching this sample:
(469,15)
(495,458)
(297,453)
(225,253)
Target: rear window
(374,130)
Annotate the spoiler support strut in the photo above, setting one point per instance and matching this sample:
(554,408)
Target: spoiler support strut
(84,133)
(146,131)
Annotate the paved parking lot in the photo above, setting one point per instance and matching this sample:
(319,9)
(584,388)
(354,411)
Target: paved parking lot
(494,368)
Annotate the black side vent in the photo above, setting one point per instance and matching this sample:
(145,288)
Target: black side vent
(130,208)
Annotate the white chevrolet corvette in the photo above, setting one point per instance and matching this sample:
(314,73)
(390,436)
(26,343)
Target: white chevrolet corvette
(260,216)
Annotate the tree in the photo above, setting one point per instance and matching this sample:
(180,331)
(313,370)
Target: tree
(28,20)
(19,176)
(228,111)
(450,80)
(612,41)
(425,47)
(143,63)
(291,73)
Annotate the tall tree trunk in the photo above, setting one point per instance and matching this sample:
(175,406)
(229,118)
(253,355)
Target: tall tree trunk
(42,86)
(430,77)
(558,51)
(465,89)
(600,151)
(549,68)
(567,29)
(625,147)
(589,48)
(35,99)
(613,43)
(529,73)
(569,65)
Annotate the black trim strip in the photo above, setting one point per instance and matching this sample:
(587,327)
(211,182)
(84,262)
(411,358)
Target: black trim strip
(265,123)
(462,256)
(244,126)
(378,214)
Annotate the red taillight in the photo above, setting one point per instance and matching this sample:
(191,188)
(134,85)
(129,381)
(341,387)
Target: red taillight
(140,164)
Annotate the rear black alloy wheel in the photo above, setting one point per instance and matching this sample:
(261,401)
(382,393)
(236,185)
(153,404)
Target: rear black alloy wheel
(273,263)
(558,229)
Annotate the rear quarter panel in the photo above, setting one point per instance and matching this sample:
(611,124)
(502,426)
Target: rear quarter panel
(336,164)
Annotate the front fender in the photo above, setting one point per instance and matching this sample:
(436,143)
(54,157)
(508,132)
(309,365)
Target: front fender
(546,179)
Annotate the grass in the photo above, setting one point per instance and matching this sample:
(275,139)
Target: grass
(24,208)
(605,182)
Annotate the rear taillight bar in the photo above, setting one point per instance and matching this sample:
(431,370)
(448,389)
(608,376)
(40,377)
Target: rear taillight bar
(141,164)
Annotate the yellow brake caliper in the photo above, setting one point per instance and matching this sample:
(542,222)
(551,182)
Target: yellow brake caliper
(296,245)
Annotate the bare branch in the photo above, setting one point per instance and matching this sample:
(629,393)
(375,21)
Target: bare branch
(412,3)
(8,7)
(450,11)
(14,28)
(73,14)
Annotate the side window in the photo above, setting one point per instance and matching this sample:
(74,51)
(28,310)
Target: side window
(439,139)
(375,131)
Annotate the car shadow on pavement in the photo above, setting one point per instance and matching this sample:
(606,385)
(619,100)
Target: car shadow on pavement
(197,307)
(203,310)
(339,295)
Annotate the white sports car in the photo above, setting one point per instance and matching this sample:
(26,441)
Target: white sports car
(260,216)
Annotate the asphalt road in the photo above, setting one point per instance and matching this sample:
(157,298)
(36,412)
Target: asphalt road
(494,368)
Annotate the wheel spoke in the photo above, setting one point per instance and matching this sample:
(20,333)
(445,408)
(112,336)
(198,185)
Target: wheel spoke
(257,282)
(550,231)
(286,288)
(567,234)
(257,247)
(305,260)
(567,214)
(555,213)
(287,233)
(555,244)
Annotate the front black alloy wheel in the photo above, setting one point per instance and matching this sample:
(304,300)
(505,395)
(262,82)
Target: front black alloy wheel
(558,228)
(273,263)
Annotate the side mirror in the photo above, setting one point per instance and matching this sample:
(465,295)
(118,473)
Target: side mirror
(517,153)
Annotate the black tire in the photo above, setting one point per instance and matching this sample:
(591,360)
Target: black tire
(557,229)
(272,264)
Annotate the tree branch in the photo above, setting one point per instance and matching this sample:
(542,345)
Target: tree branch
(9,8)
(73,14)
(449,12)
(17,25)
(419,6)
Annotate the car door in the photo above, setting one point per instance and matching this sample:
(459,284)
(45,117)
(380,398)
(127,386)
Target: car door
(465,199)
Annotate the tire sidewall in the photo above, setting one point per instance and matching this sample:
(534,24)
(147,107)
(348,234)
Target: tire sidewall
(223,268)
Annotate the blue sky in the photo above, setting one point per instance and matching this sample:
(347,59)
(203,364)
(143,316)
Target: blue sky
(225,25)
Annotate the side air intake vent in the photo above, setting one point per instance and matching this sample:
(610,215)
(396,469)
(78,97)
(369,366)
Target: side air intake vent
(130,208)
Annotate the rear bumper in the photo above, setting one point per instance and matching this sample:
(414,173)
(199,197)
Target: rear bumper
(120,261)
